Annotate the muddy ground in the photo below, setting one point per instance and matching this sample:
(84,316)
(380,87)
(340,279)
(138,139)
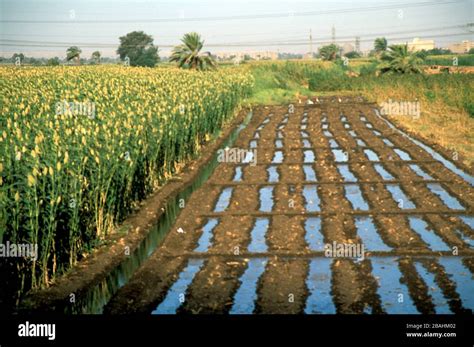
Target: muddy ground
(275,279)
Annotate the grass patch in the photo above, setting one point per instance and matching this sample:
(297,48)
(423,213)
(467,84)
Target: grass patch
(448,60)
(446,103)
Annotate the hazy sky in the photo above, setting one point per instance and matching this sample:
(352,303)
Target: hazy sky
(47,27)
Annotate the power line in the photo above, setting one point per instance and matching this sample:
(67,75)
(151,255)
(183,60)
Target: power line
(259,42)
(219,45)
(236,17)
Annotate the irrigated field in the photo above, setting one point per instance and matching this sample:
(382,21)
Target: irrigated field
(251,240)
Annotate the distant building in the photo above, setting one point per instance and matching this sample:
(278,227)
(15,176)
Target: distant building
(266,55)
(418,45)
(346,48)
(462,47)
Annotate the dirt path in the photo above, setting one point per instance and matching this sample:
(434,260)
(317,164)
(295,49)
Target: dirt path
(252,238)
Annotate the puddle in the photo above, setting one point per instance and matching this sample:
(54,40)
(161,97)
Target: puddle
(369,125)
(278,157)
(468,220)
(253,144)
(256,135)
(281,127)
(306,143)
(224,200)
(260,127)
(249,155)
(450,201)
(377,133)
(339,155)
(347,126)
(343,119)
(354,195)
(324,119)
(206,236)
(437,297)
(238,174)
(400,197)
(173,299)
(313,236)
(309,156)
(318,283)
(327,133)
(93,300)
(309,173)
(362,118)
(419,226)
(402,154)
(466,239)
(279,135)
(303,127)
(370,237)
(258,243)
(278,143)
(304,120)
(388,142)
(333,143)
(266,199)
(346,173)
(390,289)
(246,295)
(304,134)
(273,175)
(266,120)
(324,126)
(418,170)
(461,277)
(311,198)
(352,133)
(371,155)
(383,173)
(468,178)
(361,143)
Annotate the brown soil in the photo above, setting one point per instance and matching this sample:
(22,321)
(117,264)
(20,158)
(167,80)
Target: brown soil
(282,287)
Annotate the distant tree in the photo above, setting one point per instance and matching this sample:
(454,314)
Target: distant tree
(74,52)
(96,57)
(437,51)
(398,59)
(380,45)
(189,56)
(34,61)
(139,49)
(329,52)
(352,55)
(53,61)
(471,51)
(18,57)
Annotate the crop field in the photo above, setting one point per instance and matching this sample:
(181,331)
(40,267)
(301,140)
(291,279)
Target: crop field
(205,167)
(252,238)
(70,172)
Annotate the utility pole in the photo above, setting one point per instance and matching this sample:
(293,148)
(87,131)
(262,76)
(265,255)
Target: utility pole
(333,34)
(357,44)
(311,43)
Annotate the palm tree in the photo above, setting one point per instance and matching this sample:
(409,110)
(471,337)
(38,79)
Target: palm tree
(329,52)
(96,56)
(399,60)
(189,56)
(73,52)
(380,44)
